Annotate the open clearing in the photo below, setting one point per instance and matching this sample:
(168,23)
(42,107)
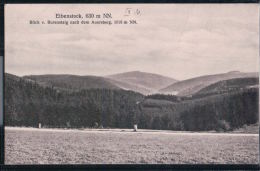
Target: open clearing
(117,146)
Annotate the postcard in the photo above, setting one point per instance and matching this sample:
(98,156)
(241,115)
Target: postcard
(131,84)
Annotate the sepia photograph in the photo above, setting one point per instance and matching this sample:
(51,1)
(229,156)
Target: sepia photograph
(131,84)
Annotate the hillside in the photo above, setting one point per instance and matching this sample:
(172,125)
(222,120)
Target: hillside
(73,82)
(145,83)
(129,86)
(219,112)
(191,86)
(28,103)
(230,85)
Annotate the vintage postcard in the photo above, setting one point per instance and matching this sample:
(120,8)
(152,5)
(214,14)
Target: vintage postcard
(131,84)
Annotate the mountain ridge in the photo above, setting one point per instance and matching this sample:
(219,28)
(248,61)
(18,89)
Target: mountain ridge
(149,82)
(73,82)
(141,82)
(193,85)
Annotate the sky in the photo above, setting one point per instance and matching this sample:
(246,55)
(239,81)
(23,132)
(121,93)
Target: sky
(176,40)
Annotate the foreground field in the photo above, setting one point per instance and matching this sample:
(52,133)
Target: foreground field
(50,146)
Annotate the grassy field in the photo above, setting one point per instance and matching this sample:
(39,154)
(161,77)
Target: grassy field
(46,146)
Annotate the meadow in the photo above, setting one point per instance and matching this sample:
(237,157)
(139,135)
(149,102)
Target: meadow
(116,146)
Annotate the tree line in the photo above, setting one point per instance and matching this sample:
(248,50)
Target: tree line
(28,104)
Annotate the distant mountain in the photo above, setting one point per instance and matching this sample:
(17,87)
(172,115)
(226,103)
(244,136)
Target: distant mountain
(145,83)
(72,82)
(231,85)
(191,86)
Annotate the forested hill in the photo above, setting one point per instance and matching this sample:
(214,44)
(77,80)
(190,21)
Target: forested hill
(72,82)
(218,112)
(191,86)
(137,81)
(28,103)
(230,85)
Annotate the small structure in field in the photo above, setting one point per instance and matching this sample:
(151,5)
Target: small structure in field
(135,127)
(95,125)
(40,125)
(68,124)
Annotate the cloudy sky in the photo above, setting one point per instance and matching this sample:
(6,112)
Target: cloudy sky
(180,41)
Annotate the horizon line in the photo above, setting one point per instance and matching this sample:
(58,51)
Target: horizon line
(106,76)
